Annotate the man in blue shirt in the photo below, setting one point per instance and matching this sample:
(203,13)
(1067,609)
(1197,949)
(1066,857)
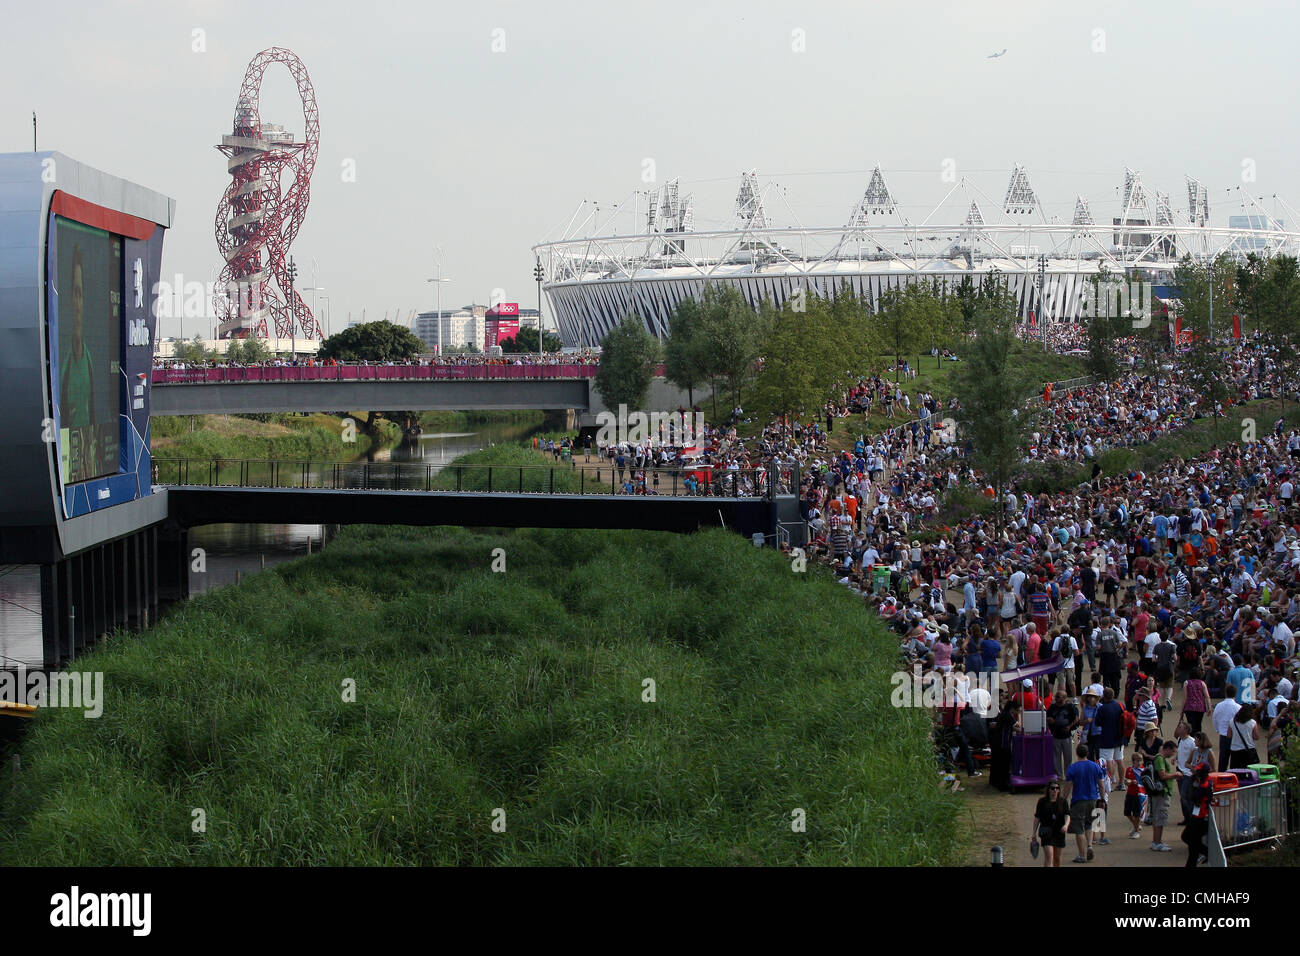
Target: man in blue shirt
(1109,724)
(1242,681)
(1083,790)
(989,651)
(1161,525)
(968,602)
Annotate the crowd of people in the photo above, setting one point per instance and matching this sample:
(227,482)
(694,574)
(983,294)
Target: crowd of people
(1179,585)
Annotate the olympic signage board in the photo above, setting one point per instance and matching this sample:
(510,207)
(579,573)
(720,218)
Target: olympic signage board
(80,255)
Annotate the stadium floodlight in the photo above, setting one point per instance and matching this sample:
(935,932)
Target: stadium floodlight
(749,203)
(1082,212)
(1020,195)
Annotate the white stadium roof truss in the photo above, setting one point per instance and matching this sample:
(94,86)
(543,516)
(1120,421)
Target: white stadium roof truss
(590,277)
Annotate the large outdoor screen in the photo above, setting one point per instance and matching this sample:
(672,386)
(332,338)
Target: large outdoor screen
(89,289)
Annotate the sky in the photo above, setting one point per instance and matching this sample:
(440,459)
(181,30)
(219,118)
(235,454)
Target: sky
(482,128)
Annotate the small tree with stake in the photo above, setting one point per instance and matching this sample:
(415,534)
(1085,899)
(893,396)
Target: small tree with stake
(993,395)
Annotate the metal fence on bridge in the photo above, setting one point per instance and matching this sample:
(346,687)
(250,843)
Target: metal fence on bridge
(568,479)
(367,373)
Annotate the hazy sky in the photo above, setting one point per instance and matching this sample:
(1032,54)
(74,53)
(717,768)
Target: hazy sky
(486,153)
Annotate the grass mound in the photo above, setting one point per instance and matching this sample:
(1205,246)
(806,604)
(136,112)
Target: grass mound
(286,437)
(478,691)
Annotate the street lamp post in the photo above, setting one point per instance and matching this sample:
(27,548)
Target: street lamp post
(537,274)
(313,289)
(1211,324)
(439,279)
(293,325)
(1042,298)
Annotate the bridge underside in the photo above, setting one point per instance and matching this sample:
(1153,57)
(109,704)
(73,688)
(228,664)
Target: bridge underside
(193,506)
(249,397)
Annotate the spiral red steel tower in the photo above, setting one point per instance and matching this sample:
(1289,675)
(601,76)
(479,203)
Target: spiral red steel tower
(257,218)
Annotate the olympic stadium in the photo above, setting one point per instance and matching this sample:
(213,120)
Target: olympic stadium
(647,255)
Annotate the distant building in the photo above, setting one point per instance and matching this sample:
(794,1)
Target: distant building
(452,329)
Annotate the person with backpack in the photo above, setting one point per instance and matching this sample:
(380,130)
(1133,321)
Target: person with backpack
(1159,781)
(1135,798)
(1068,648)
(1062,718)
(1111,645)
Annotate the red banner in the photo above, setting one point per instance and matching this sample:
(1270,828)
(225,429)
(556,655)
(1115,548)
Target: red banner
(1236,326)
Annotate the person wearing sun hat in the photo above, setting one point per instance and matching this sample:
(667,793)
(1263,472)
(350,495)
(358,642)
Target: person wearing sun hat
(1088,734)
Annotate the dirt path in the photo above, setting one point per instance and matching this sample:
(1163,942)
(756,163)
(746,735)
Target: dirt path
(1004,819)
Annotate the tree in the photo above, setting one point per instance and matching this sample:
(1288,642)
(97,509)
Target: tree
(193,352)
(1271,296)
(992,394)
(687,350)
(735,337)
(801,360)
(247,351)
(1104,328)
(256,350)
(1250,291)
(909,321)
(1196,295)
(1103,332)
(372,342)
(525,340)
(1153,343)
(949,318)
(627,364)
(1202,366)
(853,329)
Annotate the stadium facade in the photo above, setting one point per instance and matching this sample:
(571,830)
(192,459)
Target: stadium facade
(1048,265)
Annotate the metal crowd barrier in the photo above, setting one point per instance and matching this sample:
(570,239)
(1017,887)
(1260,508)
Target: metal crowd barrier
(1249,815)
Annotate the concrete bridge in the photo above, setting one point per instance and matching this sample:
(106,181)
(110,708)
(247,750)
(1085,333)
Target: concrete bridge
(235,391)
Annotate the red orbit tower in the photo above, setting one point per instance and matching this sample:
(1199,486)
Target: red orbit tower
(257,218)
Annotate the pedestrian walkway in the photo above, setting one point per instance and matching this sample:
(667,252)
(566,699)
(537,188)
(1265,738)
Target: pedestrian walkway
(1006,819)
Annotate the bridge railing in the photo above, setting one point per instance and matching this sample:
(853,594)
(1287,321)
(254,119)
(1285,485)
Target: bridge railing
(366,373)
(563,478)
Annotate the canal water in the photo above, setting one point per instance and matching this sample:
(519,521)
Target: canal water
(234,551)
